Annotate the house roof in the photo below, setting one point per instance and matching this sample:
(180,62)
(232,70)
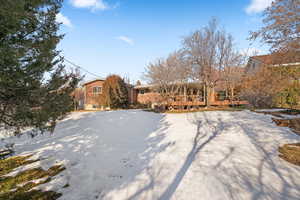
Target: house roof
(266,59)
(279,58)
(143,86)
(93,80)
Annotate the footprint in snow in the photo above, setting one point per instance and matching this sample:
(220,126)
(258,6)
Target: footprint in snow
(126,162)
(114,176)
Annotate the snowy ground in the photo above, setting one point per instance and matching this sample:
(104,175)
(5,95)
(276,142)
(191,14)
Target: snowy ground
(143,155)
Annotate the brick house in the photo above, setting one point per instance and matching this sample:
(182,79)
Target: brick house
(281,63)
(272,60)
(191,97)
(90,96)
(93,94)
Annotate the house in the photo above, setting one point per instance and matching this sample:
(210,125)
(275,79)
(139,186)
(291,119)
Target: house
(286,65)
(273,60)
(90,96)
(93,94)
(187,96)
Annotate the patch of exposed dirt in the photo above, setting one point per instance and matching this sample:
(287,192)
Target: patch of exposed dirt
(290,153)
(293,124)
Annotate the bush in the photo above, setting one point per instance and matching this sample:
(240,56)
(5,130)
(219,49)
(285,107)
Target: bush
(261,88)
(115,92)
(290,96)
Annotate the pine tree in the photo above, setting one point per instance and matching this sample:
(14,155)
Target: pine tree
(34,85)
(115,92)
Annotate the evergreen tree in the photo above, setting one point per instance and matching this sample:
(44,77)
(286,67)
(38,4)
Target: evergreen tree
(34,85)
(115,92)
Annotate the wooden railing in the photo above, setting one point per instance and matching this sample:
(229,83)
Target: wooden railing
(202,103)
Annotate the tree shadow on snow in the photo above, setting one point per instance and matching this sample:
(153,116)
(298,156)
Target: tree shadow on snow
(250,174)
(269,168)
(103,151)
(200,140)
(256,172)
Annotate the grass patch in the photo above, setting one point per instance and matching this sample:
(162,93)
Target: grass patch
(31,195)
(290,153)
(9,164)
(20,187)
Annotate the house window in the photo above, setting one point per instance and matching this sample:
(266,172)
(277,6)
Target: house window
(97,90)
(142,91)
(221,95)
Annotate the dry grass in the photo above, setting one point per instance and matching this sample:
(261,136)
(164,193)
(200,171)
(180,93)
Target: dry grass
(21,186)
(290,153)
(293,124)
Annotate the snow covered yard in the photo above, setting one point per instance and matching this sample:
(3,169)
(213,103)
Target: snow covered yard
(143,155)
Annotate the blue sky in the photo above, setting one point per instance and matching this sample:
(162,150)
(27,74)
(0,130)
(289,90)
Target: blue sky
(122,36)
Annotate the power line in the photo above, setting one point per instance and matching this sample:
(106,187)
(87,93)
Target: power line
(83,69)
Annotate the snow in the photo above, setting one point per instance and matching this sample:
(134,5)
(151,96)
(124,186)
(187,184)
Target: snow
(284,116)
(272,110)
(143,155)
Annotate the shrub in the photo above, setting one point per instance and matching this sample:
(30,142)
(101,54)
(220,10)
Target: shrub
(115,92)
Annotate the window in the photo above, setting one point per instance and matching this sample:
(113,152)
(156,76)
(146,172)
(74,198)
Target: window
(221,95)
(97,90)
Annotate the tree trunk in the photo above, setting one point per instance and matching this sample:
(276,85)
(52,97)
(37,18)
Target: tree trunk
(232,92)
(207,95)
(184,92)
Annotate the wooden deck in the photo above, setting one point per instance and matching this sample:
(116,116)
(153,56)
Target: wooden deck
(202,103)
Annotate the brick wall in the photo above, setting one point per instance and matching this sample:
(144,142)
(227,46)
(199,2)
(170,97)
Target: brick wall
(150,97)
(92,100)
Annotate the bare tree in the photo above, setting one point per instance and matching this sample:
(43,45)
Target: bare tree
(281,28)
(232,78)
(169,75)
(281,31)
(210,51)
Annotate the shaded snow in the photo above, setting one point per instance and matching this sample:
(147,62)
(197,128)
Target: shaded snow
(143,155)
